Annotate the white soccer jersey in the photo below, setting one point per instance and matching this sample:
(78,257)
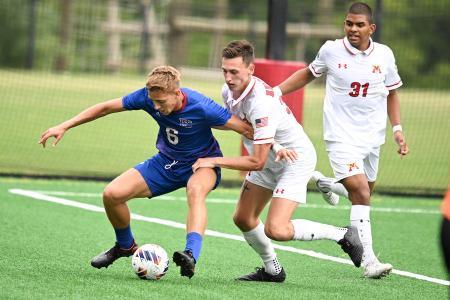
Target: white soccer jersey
(271,119)
(358,82)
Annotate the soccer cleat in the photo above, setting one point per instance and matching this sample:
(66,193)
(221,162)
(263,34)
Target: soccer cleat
(331,198)
(351,244)
(106,258)
(262,275)
(377,269)
(323,184)
(316,175)
(186,262)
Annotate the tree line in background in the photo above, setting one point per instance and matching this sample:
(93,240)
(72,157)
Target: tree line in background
(417,31)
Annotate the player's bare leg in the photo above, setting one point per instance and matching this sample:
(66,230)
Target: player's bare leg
(126,186)
(198,187)
(280,227)
(359,191)
(252,201)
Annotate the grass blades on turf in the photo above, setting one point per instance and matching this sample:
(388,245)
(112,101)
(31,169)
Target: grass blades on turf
(46,249)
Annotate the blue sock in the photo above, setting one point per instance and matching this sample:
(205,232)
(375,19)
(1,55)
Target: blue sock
(194,244)
(124,237)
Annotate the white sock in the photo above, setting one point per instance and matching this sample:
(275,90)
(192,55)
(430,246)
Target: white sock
(305,230)
(258,240)
(360,218)
(339,188)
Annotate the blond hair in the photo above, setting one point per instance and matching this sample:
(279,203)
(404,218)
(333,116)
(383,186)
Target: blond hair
(164,79)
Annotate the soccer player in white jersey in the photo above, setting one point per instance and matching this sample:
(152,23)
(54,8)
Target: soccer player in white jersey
(284,184)
(361,85)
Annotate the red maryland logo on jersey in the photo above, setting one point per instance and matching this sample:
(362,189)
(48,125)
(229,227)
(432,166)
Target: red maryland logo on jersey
(376,69)
(342,66)
(352,166)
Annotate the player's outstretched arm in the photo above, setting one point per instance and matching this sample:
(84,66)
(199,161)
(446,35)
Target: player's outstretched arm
(90,114)
(393,109)
(254,162)
(238,125)
(296,81)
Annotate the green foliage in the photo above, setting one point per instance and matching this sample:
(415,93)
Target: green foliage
(198,53)
(88,46)
(47,34)
(13,33)
(417,31)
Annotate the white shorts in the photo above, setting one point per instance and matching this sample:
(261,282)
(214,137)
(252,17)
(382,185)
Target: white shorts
(289,180)
(349,160)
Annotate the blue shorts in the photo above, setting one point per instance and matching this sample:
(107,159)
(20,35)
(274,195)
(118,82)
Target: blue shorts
(164,175)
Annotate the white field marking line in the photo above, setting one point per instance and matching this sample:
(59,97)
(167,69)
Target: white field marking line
(40,196)
(228,201)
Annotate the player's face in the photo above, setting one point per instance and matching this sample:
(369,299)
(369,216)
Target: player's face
(166,102)
(237,74)
(358,30)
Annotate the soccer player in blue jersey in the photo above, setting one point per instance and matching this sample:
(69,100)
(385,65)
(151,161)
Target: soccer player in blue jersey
(185,118)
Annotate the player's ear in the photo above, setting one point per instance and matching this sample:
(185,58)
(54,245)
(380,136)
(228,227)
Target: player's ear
(373,27)
(251,68)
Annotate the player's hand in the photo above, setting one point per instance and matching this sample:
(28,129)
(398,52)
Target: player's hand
(207,162)
(57,132)
(402,146)
(287,155)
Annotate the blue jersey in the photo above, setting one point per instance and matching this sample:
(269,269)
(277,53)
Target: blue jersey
(186,134)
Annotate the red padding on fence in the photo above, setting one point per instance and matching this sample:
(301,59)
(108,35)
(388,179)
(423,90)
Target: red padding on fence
(274,72)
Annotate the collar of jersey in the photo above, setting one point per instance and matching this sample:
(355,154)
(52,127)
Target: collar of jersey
(233,102)
(355,51)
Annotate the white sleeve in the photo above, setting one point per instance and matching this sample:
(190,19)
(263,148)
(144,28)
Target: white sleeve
(264,119)
(319,65)
(392,80)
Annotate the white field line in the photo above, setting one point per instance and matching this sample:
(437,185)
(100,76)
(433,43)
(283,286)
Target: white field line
(228,201)
(40,196)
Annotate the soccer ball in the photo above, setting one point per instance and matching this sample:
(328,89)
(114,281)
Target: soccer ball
(150,261)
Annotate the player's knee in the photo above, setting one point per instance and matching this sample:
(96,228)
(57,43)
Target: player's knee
(196,191)
(112,196)
(360,196)
(239,220)
(277,232)
(243,222)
